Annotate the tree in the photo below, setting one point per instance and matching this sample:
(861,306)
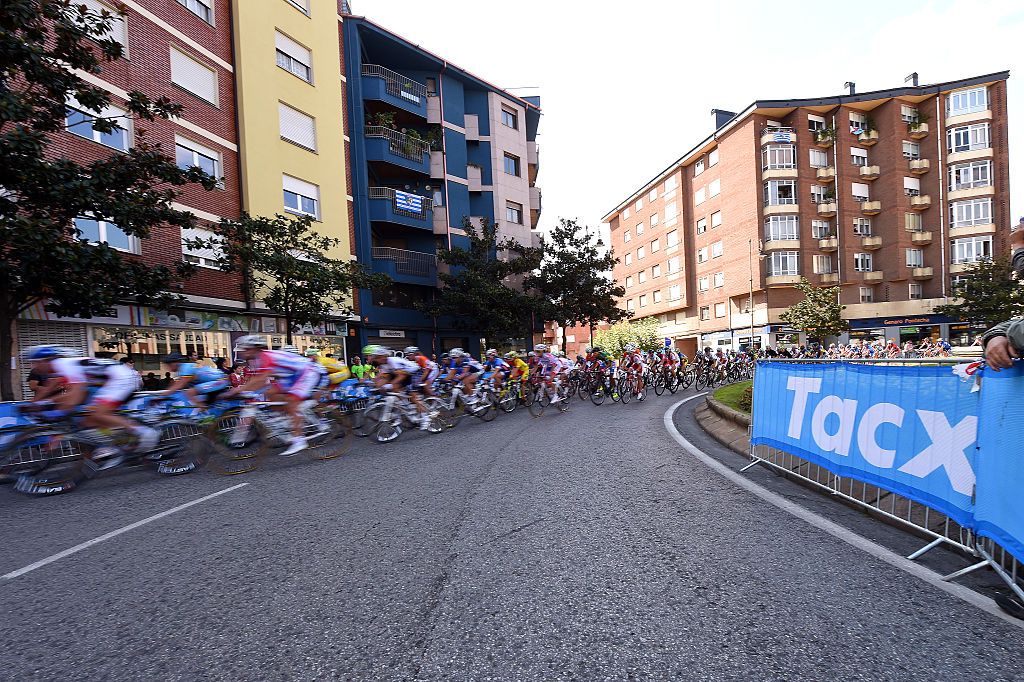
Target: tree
(287,266)
(644,333)
(820,314)
(43,46)
(574,280)
(987,293)
(482,292)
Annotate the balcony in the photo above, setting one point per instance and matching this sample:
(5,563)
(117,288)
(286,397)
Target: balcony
(869,172)
(872,275)
(871,243)
(920,202)
(403,208)
(871,207)
(781,244)
(868,138)
(437,165)
(921,238)
(920,166)
(472,125)
(532,161)
(827,209)
(411,267)
(778,135)
(921,273)
(474,175)
(782,280)
(536,197)
(385,85)
(827,174)
(825,138)
(399,149)
(830,278)
(917,131)
(828,244)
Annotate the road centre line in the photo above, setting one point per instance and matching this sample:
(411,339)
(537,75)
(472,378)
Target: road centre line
(834,529)
(114,533)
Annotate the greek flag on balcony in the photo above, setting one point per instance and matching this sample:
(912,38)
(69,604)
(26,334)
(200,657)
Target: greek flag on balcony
(782,136)
(404,201)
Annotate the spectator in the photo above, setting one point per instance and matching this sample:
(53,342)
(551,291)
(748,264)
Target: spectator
(220,363)
(150,382)
(359,370)
(126,361)
(36,379)
(166,381)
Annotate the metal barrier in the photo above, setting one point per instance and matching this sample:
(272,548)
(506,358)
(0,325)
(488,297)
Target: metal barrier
(935,525)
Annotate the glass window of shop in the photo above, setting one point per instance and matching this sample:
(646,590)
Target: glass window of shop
(787,339)
(146,346)
(964,334)
(916,334)
(868,335)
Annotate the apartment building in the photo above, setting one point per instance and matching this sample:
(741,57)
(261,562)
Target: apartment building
(431,145)
(890,195)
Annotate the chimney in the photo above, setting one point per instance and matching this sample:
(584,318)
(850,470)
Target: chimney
(851,87)
(912,77)
(722,117)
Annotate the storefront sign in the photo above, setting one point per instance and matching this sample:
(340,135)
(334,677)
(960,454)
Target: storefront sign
(899,321)
(391,334)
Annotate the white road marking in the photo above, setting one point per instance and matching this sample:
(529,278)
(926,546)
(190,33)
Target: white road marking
(114,533)
(834,529)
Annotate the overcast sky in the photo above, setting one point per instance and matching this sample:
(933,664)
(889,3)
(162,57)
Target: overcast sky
(627,87)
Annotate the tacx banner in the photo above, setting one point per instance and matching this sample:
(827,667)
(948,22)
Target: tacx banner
(999,513)
(908,429)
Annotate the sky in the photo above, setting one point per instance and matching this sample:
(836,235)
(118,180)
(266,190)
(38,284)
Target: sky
(627,88)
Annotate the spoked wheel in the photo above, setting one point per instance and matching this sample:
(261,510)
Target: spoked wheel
(181,449)
(566,400)
(68,464)
(452,413)
(238,443)
(25,453)
(673,383)
(597,393)
(342,435)
(508,401)
(538,401)
(625,390)
(659,384)
(435,414)
(382,429)
(486,408)
(584,389)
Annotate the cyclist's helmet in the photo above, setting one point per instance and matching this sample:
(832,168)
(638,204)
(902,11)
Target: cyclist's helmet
(541,348)
(630,347)
(588,350)
(173,358)
(411,350)
(531,354)
(511,355)
(251,341)
(290,349)
(561,354)
(456,353)
(48,352)
(312,352)
(491,351)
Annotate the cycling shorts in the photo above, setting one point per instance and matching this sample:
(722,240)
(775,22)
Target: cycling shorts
(115,390)
(302,384)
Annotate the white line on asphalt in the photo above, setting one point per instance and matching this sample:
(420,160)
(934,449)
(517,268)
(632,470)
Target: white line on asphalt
(114,533)
(834,529)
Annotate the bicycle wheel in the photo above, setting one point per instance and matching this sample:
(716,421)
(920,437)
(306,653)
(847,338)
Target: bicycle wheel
(374,420)
(508,401)
(69,464)
(598,392)
(452,412)
(566,399)
(25,453)
(659,384)
(538,402)
(237,446)
(626,390)
(486,408)
(584,390)
(181,449)
(700,379)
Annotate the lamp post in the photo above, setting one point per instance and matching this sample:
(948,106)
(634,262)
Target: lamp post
(750,268)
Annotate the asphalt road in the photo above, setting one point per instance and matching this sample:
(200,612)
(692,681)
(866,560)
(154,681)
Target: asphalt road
(577,546)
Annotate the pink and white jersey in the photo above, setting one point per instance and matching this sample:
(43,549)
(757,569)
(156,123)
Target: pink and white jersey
(280,365)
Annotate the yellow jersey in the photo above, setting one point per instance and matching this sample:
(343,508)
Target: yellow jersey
(337,371)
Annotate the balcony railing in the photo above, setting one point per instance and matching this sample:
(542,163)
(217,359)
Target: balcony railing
(401,144)
(397,85)
(403,203)
(415,263)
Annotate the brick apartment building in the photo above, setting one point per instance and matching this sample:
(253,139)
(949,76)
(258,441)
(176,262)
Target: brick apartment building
(889,194)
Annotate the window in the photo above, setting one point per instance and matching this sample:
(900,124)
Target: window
(653,195)
(819,194)
(639,229)
(912,187)
(629,281)
(867,295)
(908,114)
(625,213)
(207,258)
(972,249)
(720,310)
(654,219)
(705,312)
(863,262)
(641,277)
(778,156)
(781,227)
(859,156)
(819,158)
(698,168)
(673,292)
(188,153)
(913,222)
(201,8)
(702,226)
(815,123)
(297,127)
(193,76)
(641,253)
(629,258)
(511,164)
(672,238)
(777,192)
(293,57)
(699,196)
(970,212)
(655,246)
(713,158)
(715,188)
(702,254)
(639,204)
(911,150)
(118,30)
(703,283)
(862,227)
(80,122)
(301,197)
(300,5)
(823,265)
(716,219)
(719,280)
(966,101)
(671,210)
(656,296)
(860,191)
(916,291)
(857,123)
(97,231)
(716,249)
(509,118)
(821,229)
(627,236)
(643,300)
(969,175)
(629,304)
(915,258)
(783,263)
(514,212)
(968,138)
(655,271)
(670,184)
(673,264)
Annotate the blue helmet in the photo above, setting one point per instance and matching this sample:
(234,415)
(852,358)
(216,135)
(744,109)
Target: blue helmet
(47,352)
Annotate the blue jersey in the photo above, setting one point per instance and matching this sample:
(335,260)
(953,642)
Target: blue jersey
(199,374)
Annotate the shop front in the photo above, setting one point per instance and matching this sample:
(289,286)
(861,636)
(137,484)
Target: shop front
(900,329)
(868,335)
(964,334)
(781,336)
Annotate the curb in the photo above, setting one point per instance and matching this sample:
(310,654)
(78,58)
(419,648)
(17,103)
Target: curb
(726,412)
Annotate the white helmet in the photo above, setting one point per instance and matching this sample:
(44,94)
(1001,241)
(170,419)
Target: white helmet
(411,350)
(290,349)
(630,347)
(491,351)
(251,341)
(541,348)
(456,353)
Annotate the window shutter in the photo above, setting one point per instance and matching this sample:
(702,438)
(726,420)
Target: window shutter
(117,25)
(198,233)
(857,151)
(197,78)
(912,183)
(301,187)
(860,189)
(297,127)
(292,49)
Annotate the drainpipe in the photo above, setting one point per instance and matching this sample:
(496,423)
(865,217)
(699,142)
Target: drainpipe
(839,215)
(444,155)
(237,63)
(942,190)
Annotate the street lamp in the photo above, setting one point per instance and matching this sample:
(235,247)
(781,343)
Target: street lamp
(750,267)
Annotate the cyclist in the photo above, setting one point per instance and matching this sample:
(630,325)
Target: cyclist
(394,375)
(295,379)
(195,380)
(334,372)
(498,368)
(633,361)
(466,369)
(428,372)
(99,386)
(519,370)
(548,369)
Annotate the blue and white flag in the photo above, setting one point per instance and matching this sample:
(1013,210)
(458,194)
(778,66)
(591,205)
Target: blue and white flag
(782,136)
(404,201)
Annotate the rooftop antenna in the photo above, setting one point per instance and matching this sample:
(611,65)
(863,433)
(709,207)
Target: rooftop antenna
(851,87)
(911,77)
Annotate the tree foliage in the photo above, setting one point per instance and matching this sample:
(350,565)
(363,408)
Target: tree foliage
(483,289)
(43,46)
(820,314)
(288,268)
(574,280)
(987,293)
(644,333)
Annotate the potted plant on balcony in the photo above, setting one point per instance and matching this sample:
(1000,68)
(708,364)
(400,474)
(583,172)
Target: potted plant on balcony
(435,138)
(828,196)
(413,142)
(869,125)
(827,134)
(384,119)
(921,118)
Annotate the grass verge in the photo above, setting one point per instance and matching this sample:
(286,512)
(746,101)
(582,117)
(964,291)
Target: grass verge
(730,395)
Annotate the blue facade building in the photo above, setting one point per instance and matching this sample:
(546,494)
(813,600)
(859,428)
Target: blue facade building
(431,146)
